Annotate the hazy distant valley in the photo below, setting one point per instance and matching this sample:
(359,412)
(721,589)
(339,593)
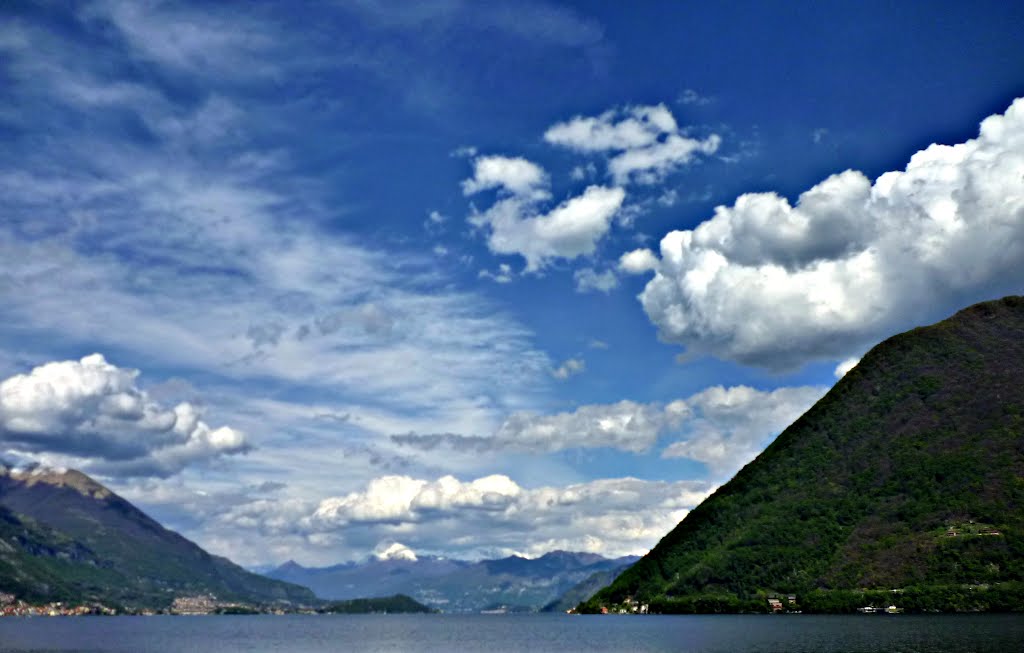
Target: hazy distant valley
(512,584)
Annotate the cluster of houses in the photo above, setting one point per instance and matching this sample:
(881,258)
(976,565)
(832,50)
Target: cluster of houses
(787,604)
(191,605)
(969,527)
(892,609)
(953,532)
(629,606)
(201,604)
(10,606)
(775,604)
(632,606)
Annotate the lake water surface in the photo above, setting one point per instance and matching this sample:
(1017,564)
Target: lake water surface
(508,633)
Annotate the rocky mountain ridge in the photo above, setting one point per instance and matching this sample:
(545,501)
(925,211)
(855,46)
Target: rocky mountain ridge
(64,536)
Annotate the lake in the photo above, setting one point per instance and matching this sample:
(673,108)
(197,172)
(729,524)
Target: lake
(514,633)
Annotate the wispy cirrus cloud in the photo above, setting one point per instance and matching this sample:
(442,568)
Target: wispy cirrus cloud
(238,278)
(569,367)
(590,280)
(721,427)
(215,43)
(156,214)
(177,196)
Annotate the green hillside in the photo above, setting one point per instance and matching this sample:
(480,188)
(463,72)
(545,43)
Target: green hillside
(64,537)
(907,475)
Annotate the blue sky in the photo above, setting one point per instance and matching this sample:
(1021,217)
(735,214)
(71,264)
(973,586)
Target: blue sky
(476,278)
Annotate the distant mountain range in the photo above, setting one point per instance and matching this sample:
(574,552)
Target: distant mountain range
(65,537)
(904,484)
(513,583)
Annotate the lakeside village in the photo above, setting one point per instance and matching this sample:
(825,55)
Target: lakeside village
(787,603)
(207,604)
(12,607)
(776,604)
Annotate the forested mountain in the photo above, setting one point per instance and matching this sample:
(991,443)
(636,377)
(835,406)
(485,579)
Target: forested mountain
(63,536)
(908,475)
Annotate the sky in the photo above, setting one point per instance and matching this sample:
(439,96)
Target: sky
(320,281)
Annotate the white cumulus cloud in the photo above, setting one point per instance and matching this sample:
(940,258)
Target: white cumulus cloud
(405,499)
(91,412)
(638,261)
(640,127)
(643,145)
(650,164)
(768,283)
(646,141)
(513,175)
(516,225)
(487,516)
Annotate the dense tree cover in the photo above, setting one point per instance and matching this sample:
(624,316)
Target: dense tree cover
(1003,597)
(40,564)
(908,474)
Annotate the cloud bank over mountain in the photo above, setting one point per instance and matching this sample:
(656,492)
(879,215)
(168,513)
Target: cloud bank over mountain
(92,413)
(767,283)
(480,517)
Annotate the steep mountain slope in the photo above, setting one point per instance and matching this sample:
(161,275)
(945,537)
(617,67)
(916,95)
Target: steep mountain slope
(455,585)
(586,588)
(909,473)
(38,563)
(65,536)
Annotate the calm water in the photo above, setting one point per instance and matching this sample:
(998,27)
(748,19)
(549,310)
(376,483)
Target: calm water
(533,633)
